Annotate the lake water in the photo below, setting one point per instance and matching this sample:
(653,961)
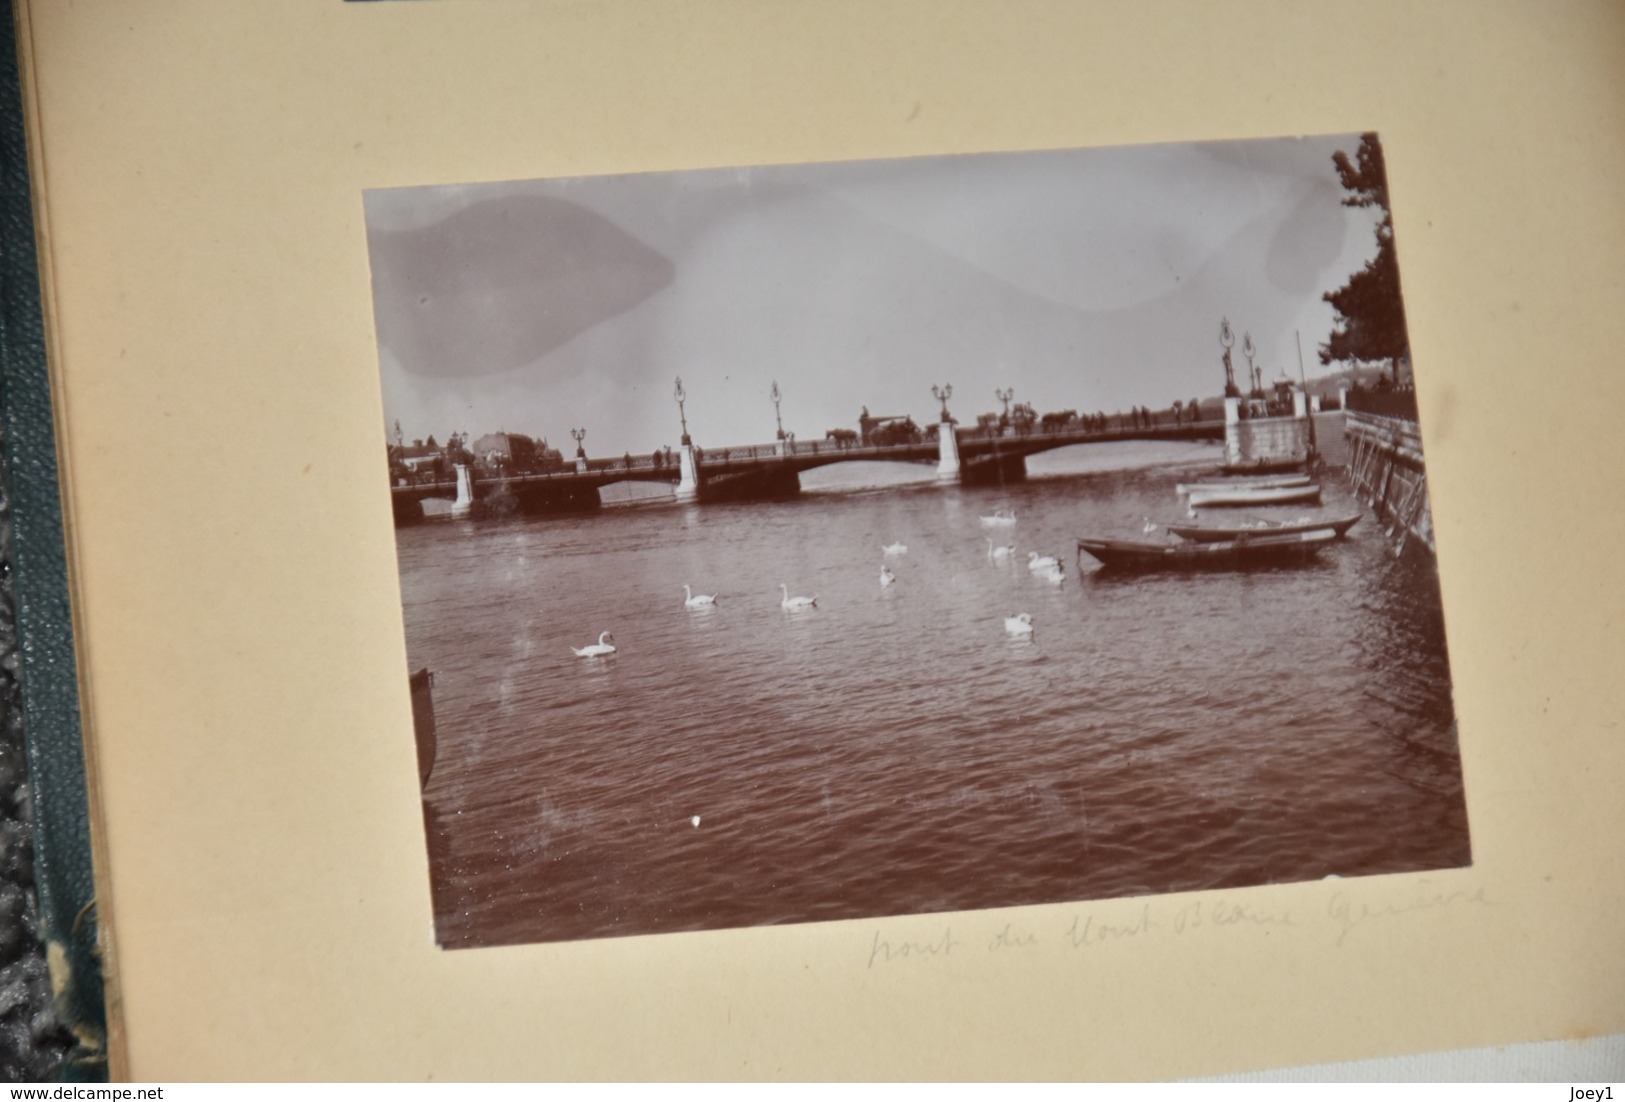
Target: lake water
(895,751)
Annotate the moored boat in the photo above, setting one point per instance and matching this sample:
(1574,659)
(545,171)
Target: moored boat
(1263,466)
(1203,533)
(1219,496)
(1260,483)
(1219,555)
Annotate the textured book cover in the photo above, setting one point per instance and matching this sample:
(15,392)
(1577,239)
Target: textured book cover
(40,657)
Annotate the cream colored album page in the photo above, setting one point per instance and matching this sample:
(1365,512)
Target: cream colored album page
(425,369)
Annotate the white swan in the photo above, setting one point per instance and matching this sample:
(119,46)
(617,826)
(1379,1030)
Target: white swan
(1000,519)
(693,600)
(1020,624)
(886,577)
(1037,562)
(1150,526)
(999,554)
(795,604)
(1056,573)
(598,649)
(896,549)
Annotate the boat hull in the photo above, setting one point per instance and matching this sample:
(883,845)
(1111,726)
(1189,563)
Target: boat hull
(1218,533)
(1208,485)
(1263,467)
(1216,497)
(1219,555)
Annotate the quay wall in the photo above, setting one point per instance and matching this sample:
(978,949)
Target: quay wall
(1386,471)
(1267,440)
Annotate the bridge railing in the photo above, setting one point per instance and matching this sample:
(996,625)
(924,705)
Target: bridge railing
(1092,427)
(740,453)
(856,449)
(1092,424)
(737,452)
(657,461)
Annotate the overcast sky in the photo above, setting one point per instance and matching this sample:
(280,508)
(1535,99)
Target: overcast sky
(1083,279)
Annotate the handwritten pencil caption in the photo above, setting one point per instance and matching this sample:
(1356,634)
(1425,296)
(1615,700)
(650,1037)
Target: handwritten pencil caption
(1343,915)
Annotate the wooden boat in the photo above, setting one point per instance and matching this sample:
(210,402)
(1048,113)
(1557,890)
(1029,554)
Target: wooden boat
(1263,466)
(1262,482)
(1202,533)
(1220,555)
(1215,497)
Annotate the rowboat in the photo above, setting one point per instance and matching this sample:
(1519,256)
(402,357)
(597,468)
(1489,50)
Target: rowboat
(1263,482)
(1263,466)
(1214,497)
(1220,555)
(1215,533)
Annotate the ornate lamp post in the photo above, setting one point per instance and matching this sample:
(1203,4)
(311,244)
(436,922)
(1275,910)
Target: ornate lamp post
(942,394)
(1227,338)
(1256,374)
(580,435)
(1004,396)
(776,396)
(681,396)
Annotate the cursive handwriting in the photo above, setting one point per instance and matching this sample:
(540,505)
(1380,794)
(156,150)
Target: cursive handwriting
(1011,938)
(1345,912)
(1222,912)
(885,951)
(1350,913)
(1086,931)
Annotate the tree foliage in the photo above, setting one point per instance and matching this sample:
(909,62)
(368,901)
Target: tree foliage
(1370,312)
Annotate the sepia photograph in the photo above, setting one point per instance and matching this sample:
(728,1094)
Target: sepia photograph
(798,543)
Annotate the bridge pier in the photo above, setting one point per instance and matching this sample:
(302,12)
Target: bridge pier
(688,482)
(465,491)
(947,452)
(1266,443)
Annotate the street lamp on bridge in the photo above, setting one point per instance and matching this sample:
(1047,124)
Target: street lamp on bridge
(1256,374)
(580,435)
(942,394)
(776,396)
(681,396)
(1227,337)
(1004,396)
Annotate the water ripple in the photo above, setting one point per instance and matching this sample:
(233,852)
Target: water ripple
(895,751)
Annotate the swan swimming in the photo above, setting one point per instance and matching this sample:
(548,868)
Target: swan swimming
(896,549)
(795,604)
(1037,562)
(596,650)
(693,600)
(886,577)
(1150,526)
(1020,624)
(1000,519)
(1056,573)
